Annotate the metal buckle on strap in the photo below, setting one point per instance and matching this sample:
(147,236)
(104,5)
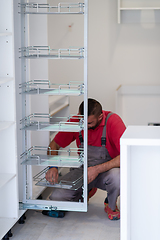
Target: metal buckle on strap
(103,141)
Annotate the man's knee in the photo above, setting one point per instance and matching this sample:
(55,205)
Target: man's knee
(113,178)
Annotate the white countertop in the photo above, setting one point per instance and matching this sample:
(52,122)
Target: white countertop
(141,135)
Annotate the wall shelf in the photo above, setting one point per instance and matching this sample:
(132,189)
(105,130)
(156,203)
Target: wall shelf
(128,6)
(140,8)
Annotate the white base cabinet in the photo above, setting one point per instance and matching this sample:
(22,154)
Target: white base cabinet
(20,68)
(9,206)
(140,181)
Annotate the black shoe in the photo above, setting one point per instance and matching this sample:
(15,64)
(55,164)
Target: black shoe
(52,213)
(106,201)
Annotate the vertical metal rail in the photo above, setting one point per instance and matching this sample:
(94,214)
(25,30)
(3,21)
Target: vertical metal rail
(23,79)
(25,101)
(85,192)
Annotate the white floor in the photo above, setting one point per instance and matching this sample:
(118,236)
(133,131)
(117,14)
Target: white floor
(93,225)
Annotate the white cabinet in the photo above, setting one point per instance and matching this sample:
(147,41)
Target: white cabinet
(133,102)
(140,180)
(9,207)
(24,68)
(138,11)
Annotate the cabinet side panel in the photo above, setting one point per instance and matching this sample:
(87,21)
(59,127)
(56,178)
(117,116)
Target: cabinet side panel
(145,192)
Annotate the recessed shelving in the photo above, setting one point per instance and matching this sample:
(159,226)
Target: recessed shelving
(34,52)
(37,155)
(45,122)
(46,87)
(61,8)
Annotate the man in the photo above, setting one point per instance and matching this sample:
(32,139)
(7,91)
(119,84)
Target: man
(104,132)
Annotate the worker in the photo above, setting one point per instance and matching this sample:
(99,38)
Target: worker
(104,131)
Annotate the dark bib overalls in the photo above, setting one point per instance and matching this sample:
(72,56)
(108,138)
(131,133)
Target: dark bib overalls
(108,181)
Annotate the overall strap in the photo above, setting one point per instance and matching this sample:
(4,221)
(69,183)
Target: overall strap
(80,137)
(103,138)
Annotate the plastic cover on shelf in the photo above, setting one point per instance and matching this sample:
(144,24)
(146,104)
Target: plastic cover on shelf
(46,87)
(46,52)
(45,122)
(44,156)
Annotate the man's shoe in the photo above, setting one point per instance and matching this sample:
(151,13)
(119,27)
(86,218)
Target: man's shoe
(92,192)
(112,215)
(52,213)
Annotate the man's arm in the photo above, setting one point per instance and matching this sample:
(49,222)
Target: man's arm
(52,174)
(95,170)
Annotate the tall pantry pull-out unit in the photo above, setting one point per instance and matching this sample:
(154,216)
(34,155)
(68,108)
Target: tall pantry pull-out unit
(33,160)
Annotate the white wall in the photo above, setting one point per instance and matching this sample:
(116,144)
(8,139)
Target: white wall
(118,54)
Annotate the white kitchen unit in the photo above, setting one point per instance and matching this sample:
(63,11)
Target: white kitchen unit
(140,180)
(9,207)
(142,11)
(33,109)
(133,102)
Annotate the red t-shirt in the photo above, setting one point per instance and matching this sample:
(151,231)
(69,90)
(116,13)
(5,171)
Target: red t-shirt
(114,130)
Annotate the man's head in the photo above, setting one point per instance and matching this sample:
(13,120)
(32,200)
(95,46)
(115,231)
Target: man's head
(95,114)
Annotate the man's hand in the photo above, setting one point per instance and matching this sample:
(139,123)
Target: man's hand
(52,175)
(92,173)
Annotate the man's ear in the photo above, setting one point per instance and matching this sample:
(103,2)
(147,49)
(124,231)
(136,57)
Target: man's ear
(100,116)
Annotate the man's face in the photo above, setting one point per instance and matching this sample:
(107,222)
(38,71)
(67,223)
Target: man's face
(94,121)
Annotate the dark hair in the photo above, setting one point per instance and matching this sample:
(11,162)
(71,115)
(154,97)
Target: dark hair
(94,107)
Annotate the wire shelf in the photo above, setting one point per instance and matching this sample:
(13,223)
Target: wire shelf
(73,88)
(37,155)
(73,180)
(61,8)
(45,122)
(33,52)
